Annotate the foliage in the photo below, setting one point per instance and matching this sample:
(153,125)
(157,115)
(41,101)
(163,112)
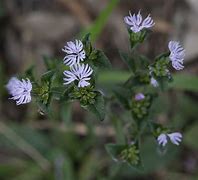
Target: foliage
(73,154)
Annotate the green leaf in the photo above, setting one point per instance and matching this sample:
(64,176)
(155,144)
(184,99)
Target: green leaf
(143,62)
(29,73)
(66,94)
(190,137)
(48,76)
(86,38)
(57,92)
(129,61)
(98,108)
(162,56)
(140,79)
(50,63)
(101,60)
(87,44)
(116,150)
(122,94)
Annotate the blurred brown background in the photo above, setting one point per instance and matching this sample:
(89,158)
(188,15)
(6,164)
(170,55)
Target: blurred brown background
(31,28)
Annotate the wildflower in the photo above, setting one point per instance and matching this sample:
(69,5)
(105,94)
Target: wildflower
(136,22)
(154,82)
(79,72)
(162,139)
(175,138)
(75,53)
(20,90)
(177,54)
(139,97)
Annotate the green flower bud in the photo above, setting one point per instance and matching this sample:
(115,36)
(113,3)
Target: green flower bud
(42,92)
(85,95)
(142,78)
(130,155)
(160,68)
(136,38)
(140,108)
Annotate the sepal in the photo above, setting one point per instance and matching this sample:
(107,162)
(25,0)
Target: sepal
(126,153)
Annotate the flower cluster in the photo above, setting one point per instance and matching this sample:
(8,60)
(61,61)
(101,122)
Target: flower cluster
(136,22)
(19,90)
(157,71)
(175,138)
(177,52)
(80,72)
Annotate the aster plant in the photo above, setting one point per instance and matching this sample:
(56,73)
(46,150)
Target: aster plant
(75,79)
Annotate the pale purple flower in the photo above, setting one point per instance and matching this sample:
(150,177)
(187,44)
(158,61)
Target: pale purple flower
(139,96)
(177,54)
(19,90)
(75,53)
(79,72)
(136,22)
(175,138)
(154,82)
(162,139)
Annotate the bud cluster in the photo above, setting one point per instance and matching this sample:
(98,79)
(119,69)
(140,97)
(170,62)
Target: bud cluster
(130,155)
(85,95)
(140,106)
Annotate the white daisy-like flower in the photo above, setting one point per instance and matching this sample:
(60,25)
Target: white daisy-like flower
(136,22)
(79,72)
(154,82)
(162,139)
(19,90)
(139,96)
(177,54)
(175,138)
(75,53)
